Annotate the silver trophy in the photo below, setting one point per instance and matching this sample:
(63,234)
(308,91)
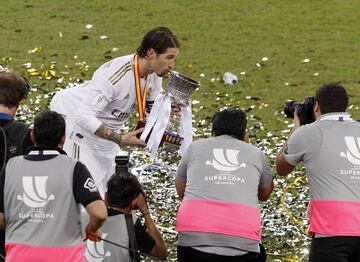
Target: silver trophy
(180,88)
(159,131)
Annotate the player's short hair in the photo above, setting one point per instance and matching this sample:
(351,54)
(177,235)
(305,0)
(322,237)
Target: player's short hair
(159,39)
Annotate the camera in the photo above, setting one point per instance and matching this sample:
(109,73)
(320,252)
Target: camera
(305,110)
(122,160)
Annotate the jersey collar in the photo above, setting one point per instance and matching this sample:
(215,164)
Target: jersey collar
(6,116)
(341,116)
(46,151)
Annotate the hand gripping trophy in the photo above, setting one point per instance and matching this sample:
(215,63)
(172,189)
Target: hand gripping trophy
(178,93)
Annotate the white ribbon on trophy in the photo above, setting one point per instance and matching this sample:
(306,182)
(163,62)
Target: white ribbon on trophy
(186,128)
(158,118)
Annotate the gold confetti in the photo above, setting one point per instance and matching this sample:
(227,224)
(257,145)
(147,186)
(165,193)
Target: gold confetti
(36,50)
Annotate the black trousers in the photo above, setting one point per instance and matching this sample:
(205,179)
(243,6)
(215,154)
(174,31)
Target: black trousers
(2,245)
(335,249)
(188,254)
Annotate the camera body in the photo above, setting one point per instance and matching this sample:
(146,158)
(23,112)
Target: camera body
(305,110)
(122,160)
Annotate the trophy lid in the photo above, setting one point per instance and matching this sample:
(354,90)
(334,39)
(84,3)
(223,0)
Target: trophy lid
(181,87)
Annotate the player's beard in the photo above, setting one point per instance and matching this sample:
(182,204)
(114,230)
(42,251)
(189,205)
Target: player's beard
(162,74)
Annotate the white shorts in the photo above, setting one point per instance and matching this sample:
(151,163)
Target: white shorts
(64,106)
(99,160)
(101,164)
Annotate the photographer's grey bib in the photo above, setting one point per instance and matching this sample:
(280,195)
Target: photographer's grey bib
(330,150)
(41,212)
(114,230)
(220,207)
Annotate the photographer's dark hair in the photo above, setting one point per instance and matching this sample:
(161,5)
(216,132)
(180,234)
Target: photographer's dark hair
(13,89)
(49,128)
(123,188)
(332,97)
(230,122)
(159,39)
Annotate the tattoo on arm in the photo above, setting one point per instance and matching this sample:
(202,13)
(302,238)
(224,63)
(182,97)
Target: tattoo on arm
(107,133)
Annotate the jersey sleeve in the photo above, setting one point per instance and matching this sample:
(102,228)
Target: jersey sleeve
(99,94)
(302,144)
(84,188)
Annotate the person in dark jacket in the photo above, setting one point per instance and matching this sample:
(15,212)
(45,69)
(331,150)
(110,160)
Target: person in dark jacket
(14,136)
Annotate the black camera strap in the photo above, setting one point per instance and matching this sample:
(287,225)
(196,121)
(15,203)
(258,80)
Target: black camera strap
(133,250)
(3,161)
(132,238)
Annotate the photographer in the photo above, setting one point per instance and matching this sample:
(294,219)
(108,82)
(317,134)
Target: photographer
(13,89)
(40,198)
(220,181)
(329,150)
(14,136)
(122,227)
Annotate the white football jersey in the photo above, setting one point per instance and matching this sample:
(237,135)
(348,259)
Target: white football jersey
(109,98)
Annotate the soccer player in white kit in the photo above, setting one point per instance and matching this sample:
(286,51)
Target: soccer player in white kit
(96,111)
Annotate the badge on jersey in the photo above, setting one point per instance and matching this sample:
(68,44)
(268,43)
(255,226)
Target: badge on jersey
(99,101)
(90,185)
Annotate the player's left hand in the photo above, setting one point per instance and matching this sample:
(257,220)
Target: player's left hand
(175,114)
(131,139)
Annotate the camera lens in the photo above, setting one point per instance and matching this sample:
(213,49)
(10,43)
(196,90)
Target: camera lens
(289,108)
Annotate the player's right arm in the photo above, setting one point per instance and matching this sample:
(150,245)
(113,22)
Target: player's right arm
(98,96)
(129,139)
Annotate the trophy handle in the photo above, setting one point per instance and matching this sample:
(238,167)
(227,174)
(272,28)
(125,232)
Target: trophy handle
(168,136)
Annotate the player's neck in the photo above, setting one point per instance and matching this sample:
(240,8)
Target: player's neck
(144,67)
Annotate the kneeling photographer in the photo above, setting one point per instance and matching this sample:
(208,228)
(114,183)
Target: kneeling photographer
(329,148)
(123,233)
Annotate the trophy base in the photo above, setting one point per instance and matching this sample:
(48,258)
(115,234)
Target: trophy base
(168,136)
